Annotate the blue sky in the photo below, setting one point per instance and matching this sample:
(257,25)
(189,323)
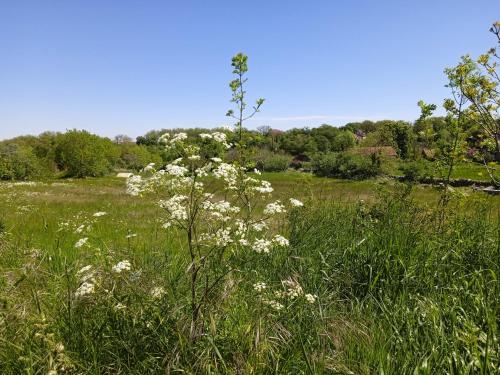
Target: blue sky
(115,67)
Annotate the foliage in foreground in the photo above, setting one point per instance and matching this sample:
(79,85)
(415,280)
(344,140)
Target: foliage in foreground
(399,291)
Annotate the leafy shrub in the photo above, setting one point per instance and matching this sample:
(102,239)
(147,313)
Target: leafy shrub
(416,170)
(19,163)
(346,166)
(82,154)
(271,162)
(136,157)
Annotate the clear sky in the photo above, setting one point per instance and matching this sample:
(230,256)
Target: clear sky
(115,67)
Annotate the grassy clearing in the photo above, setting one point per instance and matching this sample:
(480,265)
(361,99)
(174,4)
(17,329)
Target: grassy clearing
(399,291)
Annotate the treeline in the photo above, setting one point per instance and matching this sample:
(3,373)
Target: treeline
(327,149)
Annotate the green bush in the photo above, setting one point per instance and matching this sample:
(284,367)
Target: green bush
(136,157)
(346,166)
(271,162)
(19,163)
(416,170)
(82,154)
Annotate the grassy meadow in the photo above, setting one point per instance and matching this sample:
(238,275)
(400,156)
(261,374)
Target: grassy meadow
(402,286)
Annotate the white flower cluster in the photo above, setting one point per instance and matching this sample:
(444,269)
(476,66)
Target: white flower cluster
(99,214)
(216,136)
(176,170)
(232,221)
(311,298)
(223,237)
(264,188)
(296,203)
(259,287)
(294,290)
(262,246)
(86,277)
(81,242)
(170,141)
(84,289)
(220,209)
(134,185)
(274,304)
(86,273)
(124,265)
(280,241)
(228,173)
(274,208)
(175,207)
(157,292)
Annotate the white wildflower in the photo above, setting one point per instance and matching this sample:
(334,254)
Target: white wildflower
(216,160)
(164,138)
(124,265)
(274,304)
(296,203)
(220,206)
(176,170)
(157,292)
(264,188)
(178,137)
(223,237)
(203,171)
(256,171)
(311,298)
(81,242)
(259,227)
(174,206)
(260,286)
(228,173)
(219,137)
(261,246)
(274,208)
(280,240)
(99,214)
(134,185)
(293,288)
(84,269)
(85,289)
(120,306)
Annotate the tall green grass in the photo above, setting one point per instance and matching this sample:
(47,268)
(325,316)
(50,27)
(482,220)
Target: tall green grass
(399,292)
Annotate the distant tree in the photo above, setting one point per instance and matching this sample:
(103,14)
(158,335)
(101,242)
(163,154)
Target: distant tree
(122,138)
(366,126)
(240,68)
(477,81)
(19,162)
(82,154)
(343,141)
(136,157)
(265,130)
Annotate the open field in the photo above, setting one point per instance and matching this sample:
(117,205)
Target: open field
(397,289)
(33,212)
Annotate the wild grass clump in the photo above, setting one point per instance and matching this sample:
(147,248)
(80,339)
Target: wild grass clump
(363,288)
